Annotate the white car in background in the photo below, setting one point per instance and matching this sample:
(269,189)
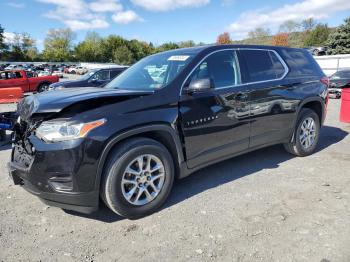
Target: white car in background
(13,67)
(57,73)
(44,73)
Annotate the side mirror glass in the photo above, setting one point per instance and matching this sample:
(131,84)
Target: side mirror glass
(200,85)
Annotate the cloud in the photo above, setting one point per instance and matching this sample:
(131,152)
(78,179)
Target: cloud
(83,15)
(106,6)
(126,17)
(9,37)
(87,25)
(166,5)
(227,2)
(317,9)
(16,4)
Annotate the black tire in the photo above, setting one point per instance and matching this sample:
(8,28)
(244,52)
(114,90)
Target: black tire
(2,135)
(118,161)
(295,147)
(43,87)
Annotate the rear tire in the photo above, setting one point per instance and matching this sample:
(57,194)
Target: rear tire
(306,134)
(138,178)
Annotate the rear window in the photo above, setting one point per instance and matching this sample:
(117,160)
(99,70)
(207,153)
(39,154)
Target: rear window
(301,63)
(262,65)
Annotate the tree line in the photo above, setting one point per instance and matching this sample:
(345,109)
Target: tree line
(307,33)
(59,43)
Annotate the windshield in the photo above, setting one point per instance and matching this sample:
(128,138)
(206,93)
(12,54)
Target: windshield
(88,75)
(153,72)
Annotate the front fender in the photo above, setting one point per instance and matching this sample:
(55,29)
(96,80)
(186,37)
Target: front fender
(138,131)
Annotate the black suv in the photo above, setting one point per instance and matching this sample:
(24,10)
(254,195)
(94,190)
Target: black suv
(94,78)
(165,117)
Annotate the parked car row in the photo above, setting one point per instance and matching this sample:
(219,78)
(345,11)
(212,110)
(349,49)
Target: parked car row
(47,69)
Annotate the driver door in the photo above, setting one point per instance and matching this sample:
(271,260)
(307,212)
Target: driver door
(100,78)
(215,122)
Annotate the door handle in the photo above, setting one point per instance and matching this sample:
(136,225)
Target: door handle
(241,96)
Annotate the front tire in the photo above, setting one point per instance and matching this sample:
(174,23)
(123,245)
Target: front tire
(138,178)
(43,87)
(306,135)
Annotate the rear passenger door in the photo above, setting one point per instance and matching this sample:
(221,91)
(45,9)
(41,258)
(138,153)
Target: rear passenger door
(271,103)
(215,122)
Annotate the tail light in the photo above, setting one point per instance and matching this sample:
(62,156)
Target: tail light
(325,80)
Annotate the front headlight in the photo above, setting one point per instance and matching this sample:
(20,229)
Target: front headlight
(56,87)
(63,131)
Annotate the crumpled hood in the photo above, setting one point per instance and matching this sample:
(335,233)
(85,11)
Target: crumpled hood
(56,101)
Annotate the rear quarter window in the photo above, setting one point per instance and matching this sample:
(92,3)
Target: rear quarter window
(262,65)
(300,63)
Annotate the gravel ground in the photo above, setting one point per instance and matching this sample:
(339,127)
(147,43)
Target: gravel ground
(263,206)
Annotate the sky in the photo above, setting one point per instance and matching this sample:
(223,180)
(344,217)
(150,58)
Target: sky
(160,21)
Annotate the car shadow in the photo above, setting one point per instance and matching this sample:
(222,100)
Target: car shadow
(225,172)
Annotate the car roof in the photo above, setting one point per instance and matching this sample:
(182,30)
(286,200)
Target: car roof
(214,47)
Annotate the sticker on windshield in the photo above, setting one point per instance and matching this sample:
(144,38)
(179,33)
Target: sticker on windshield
(178,58)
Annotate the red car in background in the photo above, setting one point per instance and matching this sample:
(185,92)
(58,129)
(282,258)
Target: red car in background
(28,81)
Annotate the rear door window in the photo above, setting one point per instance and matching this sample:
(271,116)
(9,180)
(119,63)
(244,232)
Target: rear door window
(262,65)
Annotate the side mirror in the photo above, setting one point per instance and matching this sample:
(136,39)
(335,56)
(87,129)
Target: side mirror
(200,85)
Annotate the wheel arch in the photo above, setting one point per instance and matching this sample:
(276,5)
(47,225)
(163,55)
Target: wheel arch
(42,83)
(162,133)
(316,104)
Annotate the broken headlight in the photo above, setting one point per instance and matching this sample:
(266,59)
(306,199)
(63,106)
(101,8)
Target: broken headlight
(62,131)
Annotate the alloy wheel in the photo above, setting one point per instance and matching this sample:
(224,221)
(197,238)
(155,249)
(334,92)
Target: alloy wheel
(307,134)
(143,179)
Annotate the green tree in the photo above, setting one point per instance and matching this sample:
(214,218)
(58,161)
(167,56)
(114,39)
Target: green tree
(90,50)
(3,45)
(139,49)
(317,36)
(109,45)
(123,56)
(58,45)
(339,41)
(188,43)
(167,46)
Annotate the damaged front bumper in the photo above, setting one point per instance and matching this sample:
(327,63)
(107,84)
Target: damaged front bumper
(60,174)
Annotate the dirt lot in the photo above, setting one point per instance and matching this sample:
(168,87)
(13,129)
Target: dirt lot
(263,206)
